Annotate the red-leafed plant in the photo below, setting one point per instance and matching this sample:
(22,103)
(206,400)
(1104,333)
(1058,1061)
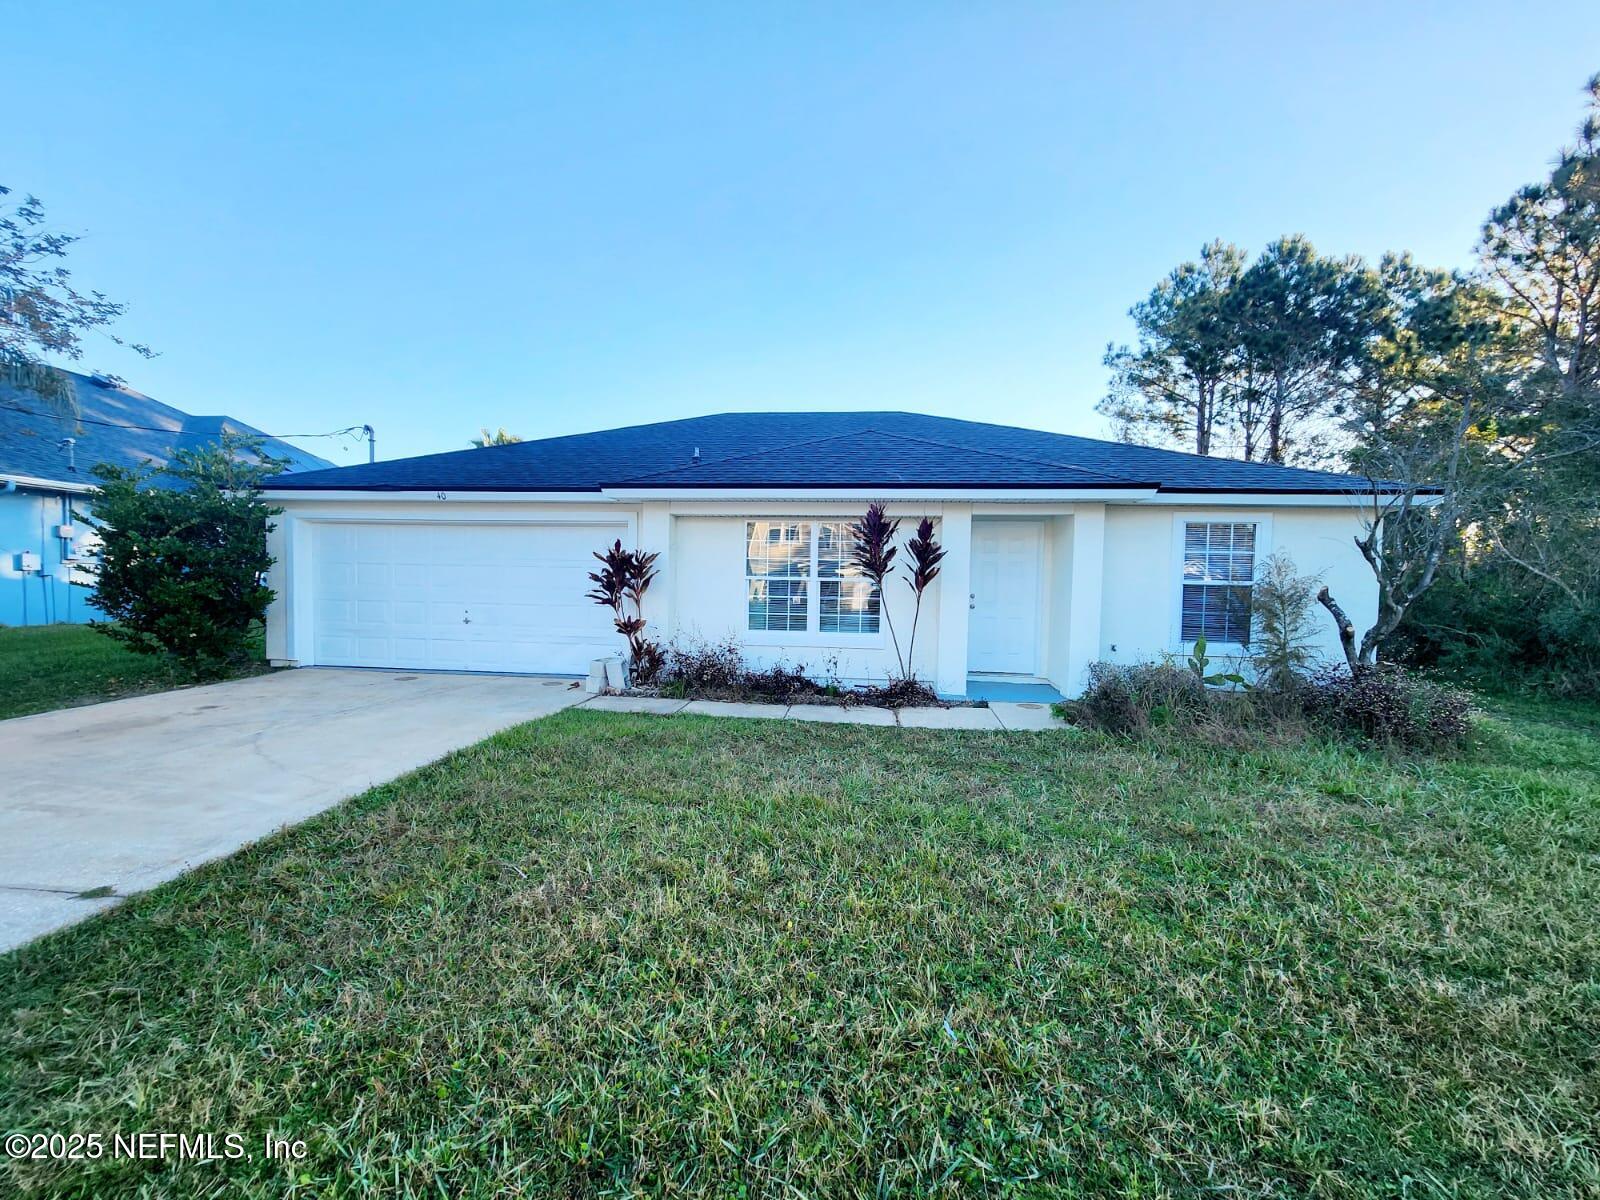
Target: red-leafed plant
(874,555)
(926,554)
(622,580)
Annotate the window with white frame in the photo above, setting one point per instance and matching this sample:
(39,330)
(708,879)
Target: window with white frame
(783,559)
(1219,572)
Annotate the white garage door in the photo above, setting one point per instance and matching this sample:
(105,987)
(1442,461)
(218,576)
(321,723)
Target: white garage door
(448,597)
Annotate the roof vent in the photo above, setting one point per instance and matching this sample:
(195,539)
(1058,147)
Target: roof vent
(696,457)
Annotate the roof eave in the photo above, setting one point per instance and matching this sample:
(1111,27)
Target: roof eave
(896,491)
(40,484)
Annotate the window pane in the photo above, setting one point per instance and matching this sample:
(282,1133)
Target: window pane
(1216,612)
(835,545)
(777,605)
(777,549)
(1224,552)
(849,606)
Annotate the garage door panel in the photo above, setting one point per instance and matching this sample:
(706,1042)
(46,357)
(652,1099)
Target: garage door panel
(459,597)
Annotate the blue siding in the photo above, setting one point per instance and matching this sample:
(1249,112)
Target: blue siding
(28,521)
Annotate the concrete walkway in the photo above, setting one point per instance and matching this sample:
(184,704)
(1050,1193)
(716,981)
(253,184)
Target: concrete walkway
(114,798)
(997,717)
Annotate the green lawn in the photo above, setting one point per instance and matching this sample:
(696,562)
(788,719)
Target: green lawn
(605,955)
(43,667)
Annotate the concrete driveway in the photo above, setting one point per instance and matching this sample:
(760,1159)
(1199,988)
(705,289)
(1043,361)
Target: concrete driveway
(124,795)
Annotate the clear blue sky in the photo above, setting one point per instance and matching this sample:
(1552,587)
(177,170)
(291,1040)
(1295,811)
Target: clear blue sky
(558,219)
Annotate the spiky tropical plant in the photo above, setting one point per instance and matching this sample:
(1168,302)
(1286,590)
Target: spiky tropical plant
(622,580)
(926,554)
(873,556)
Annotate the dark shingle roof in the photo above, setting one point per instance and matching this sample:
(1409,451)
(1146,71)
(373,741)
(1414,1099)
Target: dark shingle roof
(819,450)
(116,425)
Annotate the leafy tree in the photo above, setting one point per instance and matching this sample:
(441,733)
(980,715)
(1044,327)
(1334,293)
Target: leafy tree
(1541,253)
(1474,398)
(498,438)
(1302,320)
(184,552)
(1522,588)
(1175,383)
(1244,357)
(1424,391)
(41,313)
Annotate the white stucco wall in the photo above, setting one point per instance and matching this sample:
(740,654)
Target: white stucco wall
(1143,556)
(709,604)
(1111,582)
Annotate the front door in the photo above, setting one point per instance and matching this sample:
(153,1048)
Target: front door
(1003,628)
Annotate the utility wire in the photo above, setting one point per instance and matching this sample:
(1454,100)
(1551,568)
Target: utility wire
(346,432)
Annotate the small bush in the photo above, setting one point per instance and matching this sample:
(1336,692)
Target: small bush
(1388,704)
(1131,699)
(704,666)
(1284,638)
(897,693)
(717,671)
(780,682)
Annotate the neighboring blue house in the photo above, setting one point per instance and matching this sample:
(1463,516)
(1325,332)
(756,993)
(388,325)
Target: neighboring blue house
(46,464)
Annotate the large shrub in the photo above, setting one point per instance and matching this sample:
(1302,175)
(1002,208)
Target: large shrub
(1387,703)
(1490,629)
(183,554)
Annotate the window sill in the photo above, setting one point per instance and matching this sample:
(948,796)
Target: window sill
(853,641)
(1215,649)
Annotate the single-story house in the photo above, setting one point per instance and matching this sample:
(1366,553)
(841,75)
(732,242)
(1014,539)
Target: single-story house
(46,460)
(1060,550)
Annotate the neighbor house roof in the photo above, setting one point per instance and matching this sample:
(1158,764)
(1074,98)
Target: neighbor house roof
(855,450)
(115,424)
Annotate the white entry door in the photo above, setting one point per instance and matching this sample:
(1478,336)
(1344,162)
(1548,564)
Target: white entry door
(459,597)
(1003,626)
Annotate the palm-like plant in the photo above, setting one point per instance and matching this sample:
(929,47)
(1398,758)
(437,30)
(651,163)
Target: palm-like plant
(926,555)
(873,557)
(622,580)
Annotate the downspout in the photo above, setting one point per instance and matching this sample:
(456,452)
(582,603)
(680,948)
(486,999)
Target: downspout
(61,553)
(22,581)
